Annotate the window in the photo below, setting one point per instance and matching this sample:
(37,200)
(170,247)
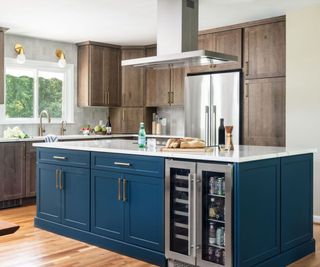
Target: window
(36,86)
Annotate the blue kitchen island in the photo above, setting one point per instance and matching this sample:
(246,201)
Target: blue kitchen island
(156,206)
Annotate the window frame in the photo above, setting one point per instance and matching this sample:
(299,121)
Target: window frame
(36,67)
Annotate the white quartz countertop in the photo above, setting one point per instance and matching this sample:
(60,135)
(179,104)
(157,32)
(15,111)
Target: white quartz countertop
(80,136)
(239,154)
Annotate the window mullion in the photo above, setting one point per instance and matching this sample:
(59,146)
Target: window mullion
(36,95)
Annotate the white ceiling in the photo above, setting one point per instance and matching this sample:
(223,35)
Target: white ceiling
(126,22)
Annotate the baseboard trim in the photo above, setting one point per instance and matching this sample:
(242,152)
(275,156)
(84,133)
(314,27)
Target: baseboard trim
(316,219)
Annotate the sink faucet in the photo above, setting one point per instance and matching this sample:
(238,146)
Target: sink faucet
(41,127)
(63,127)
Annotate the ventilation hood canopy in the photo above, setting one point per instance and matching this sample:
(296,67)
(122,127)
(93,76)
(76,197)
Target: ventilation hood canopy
(177,39)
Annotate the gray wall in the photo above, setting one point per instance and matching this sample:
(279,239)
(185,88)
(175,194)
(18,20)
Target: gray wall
(44,50)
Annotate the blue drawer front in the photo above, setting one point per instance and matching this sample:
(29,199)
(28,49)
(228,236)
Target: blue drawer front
(64,157)
(151,166)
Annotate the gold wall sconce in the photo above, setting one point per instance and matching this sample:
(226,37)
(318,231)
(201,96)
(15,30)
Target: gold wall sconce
(21,57)
(62,59)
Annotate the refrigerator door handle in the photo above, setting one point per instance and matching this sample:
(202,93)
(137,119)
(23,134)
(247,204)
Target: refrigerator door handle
(206,127)
(213,129)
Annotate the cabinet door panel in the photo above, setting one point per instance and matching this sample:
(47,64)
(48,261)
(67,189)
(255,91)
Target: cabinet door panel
(132,119)
(264,50)
(296,200)
(257,204)
(264,112)
(49,194)
(144,209)
(116,118)
(12,174)
(112,76)
(96,92)
(177,86)
(132,80)
(106,209)
(31,170)
(76,197)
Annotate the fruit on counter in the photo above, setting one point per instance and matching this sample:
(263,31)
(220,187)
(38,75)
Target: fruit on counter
(187,142)
(98,128)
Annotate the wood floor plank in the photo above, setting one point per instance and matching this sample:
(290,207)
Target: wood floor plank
(33,247)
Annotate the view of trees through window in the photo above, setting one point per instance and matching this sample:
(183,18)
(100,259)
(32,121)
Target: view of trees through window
(21,93)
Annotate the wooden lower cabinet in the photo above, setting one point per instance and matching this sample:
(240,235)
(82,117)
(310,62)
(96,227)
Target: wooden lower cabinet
(12,174)
(263,112)
(31,170)
(127,120)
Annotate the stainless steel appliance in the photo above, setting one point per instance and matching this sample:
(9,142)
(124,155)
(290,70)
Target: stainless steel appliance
(208,98)
(177,39)
(198,214)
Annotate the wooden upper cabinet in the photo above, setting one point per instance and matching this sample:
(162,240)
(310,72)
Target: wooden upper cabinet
(157,84)
(264,112)
(98,75)
(264,50)
(164,87)
(132,79)
(227,42)
(1,66)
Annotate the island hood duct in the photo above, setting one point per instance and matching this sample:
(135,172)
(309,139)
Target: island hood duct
(177,39)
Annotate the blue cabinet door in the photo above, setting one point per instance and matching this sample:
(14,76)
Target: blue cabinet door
(48,193)
(257,211)
(106,206)
(75,188)
(144,211)
(296,200)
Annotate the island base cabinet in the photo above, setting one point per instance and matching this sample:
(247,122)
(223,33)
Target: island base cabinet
(128,208)
(106,204)
(144,209)
(63,195)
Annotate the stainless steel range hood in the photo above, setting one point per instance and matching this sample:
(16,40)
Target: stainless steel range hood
(177,39)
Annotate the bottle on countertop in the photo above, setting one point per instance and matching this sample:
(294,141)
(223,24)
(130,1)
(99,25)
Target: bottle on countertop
(158,128)
(142,136)
(222,135)
(108,126)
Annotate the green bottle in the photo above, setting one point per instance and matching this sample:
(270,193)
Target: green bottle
(142,136)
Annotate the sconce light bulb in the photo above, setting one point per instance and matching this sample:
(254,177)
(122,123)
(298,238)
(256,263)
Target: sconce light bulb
(21,59)
(62,62)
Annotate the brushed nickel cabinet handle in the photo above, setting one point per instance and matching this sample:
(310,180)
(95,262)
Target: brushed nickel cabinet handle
(169,98)
(60,175)
(108,97)
(57,173)
(119,189)
(172,97)
(123,114)
(124,190)
(59,157)
(124,164)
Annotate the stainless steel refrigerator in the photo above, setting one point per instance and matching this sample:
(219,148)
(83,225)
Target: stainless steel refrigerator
(208,98)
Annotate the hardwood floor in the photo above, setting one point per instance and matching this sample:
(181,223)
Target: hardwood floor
(32,247)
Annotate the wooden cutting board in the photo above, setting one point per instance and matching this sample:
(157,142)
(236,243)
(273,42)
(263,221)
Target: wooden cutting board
(205,149)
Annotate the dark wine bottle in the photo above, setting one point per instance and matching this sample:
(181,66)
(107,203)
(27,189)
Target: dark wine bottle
(108,126)
(222,136)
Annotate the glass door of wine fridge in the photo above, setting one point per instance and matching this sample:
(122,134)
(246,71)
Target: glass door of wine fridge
(180,220)
(214,220)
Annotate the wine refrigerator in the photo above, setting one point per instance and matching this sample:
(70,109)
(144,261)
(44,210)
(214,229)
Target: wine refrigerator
(198,217)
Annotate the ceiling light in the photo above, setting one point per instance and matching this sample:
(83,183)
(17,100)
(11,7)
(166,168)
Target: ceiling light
(21,58)
(62,59)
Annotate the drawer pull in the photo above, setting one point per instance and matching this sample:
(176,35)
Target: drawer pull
(123,164)
(59,157)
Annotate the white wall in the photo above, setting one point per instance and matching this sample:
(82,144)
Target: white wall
(303,85)
(44,50)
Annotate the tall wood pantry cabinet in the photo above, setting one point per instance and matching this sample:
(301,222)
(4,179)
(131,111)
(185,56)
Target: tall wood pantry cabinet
(99,75)
(263,95)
